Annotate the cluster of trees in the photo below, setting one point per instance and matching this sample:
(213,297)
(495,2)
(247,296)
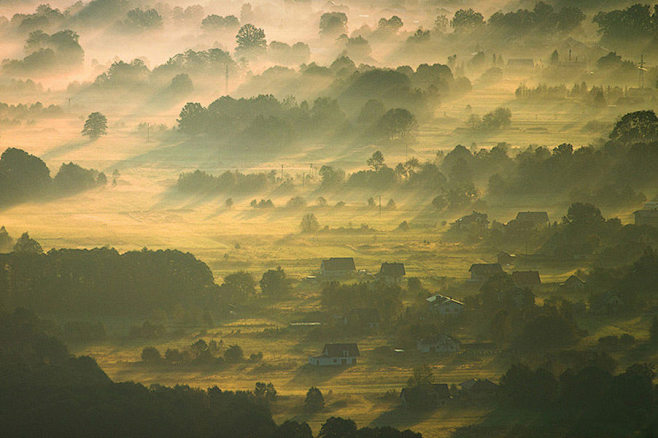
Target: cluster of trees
(200,353)
(340,299)
(625,289)
(635,26)
(582,233)
(47,53)
(12,114)
(592,96)
(25,177)
(104,282)
(213,23)
(499,118)
(139,20)
(228,182)
(588,401)
(517,323)
(47,391)
(611,175)
(239,287)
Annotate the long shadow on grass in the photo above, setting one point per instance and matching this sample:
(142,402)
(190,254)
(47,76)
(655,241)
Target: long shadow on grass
(402,418)
(310,375)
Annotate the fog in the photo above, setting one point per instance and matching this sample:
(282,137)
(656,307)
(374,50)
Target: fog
(301,218)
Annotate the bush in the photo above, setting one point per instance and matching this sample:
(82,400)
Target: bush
(314,401)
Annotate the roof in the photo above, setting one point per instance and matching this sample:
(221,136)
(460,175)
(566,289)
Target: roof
(526,278)
(573,281)
(392,269)
(535,217)
(478,385)
(338,350)
(339,264)
(442,300)
(486,268)
(646,212)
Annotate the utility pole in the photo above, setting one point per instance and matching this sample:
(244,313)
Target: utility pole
(282,173)
(642,71)
(148,132)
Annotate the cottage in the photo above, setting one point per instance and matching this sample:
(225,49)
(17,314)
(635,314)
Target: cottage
(481,272)
(440,343)
(533,219)
(445,305)
(338,267)
(336,355)
(392,272)
(526,279)
(646,217)
(425,395)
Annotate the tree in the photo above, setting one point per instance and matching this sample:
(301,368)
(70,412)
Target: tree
(314,400)
(95,126)
(293,429)
(309,223)
(583,214)
(6,242)
(238,286)
(331,177)
(636,127)
(151,355)
(274,282)
(265,391)
(192,118)
(251,39)
(466,19)
(234,354)
(333,23)
(336,427)
(26,245)
(376,161)
(397,123)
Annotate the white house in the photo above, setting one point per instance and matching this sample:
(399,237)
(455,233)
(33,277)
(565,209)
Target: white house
(445,305)
(336,355)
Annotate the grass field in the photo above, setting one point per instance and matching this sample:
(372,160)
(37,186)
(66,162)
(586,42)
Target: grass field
(143,210)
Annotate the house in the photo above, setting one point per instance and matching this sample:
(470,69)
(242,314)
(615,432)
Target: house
(646,217)
(526,279)
(440,343)
(392,272)
(425,395)
(573,283)
(481,272)
(338,267)
(362,318)
(532,219)
(336,355)
(445,305)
